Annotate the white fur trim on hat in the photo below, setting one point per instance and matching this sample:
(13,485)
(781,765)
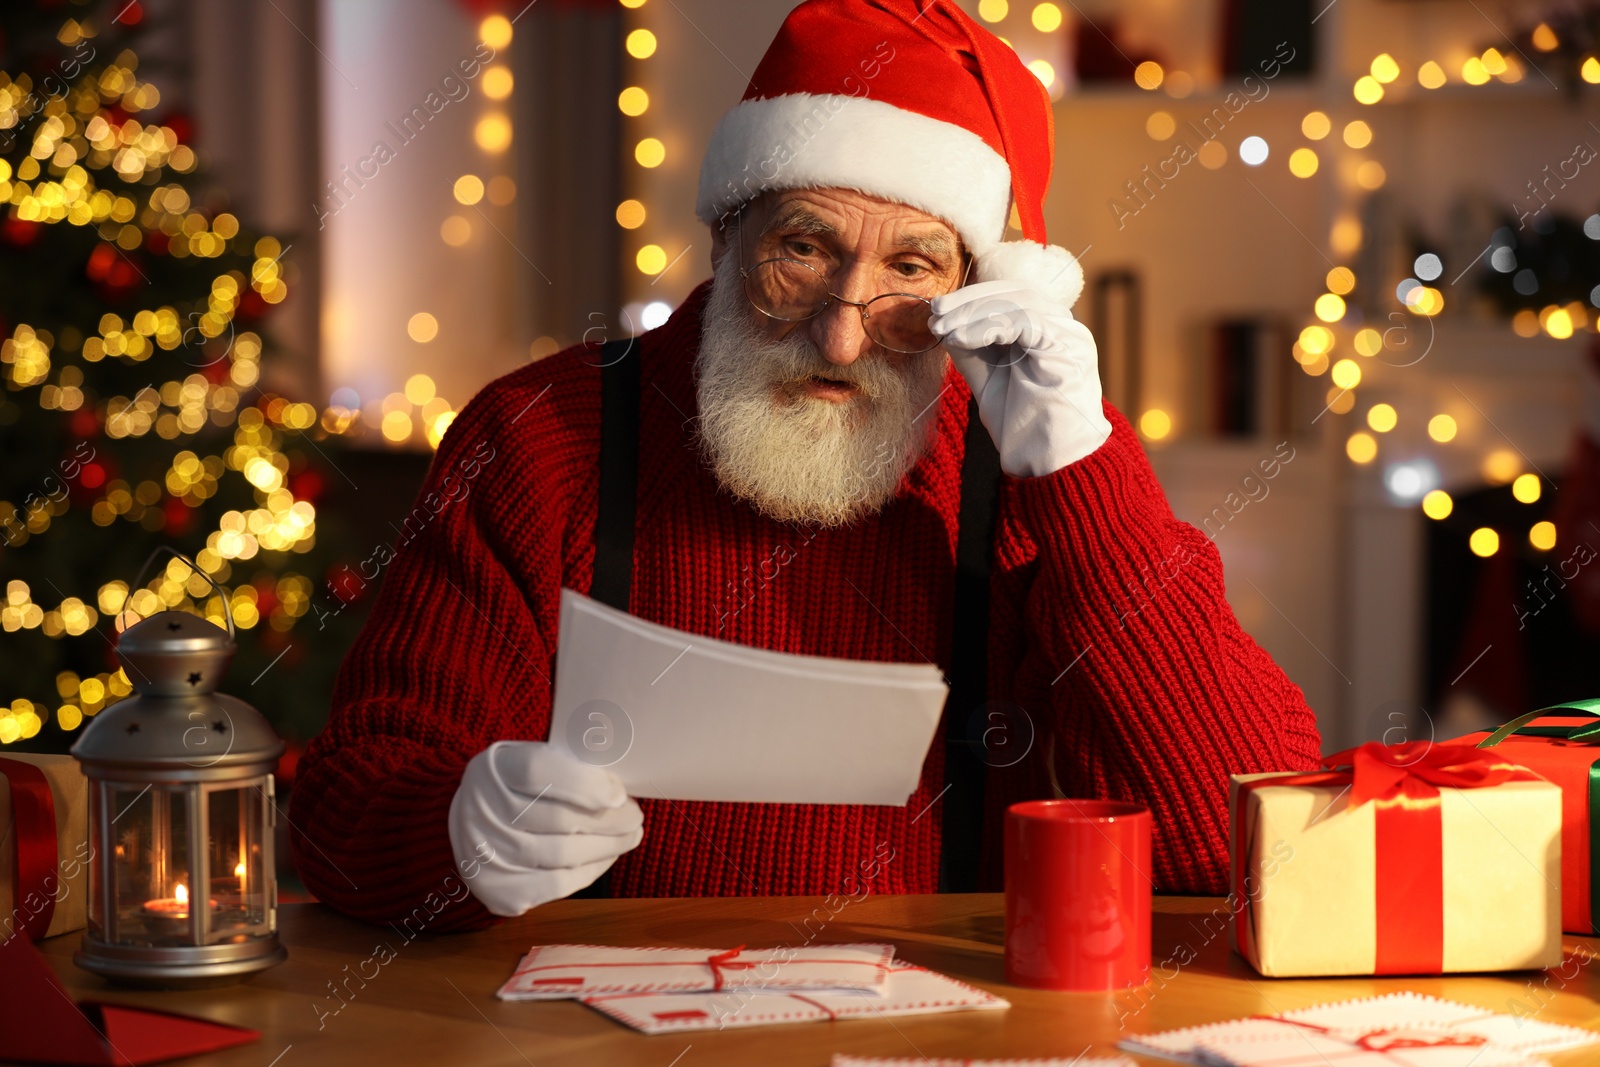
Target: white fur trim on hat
(1052,269)
(804,140)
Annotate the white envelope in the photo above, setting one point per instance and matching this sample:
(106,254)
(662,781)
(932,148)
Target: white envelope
(911,990)
(686,717)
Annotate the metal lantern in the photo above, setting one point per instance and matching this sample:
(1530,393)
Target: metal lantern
(183,889)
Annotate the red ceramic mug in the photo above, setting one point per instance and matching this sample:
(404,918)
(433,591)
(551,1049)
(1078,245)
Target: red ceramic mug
(1077,894)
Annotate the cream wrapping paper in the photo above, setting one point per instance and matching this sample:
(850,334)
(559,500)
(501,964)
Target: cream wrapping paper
(1307,901)
(69,791)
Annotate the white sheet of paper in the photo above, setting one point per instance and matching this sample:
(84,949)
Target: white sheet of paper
(686,717)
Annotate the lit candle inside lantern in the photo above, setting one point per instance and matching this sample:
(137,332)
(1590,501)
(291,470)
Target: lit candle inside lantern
(170,915)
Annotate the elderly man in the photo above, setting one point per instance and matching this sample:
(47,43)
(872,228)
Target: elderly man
(809,415)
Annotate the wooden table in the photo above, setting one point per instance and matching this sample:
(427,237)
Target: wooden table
(433,1001)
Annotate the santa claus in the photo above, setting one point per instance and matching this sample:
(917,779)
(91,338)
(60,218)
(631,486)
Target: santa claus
(812,425)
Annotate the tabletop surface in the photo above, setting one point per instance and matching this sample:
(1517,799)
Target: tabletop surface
(430,999)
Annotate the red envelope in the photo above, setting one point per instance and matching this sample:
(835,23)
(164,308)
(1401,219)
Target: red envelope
(40,1022)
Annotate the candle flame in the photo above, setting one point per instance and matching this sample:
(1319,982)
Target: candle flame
(181,894)
(238,870)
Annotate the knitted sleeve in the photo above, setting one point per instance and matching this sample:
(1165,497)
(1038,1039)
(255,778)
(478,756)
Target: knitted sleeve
(453,657)
(1121,647)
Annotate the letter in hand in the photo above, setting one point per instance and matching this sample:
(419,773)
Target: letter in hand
(534,824)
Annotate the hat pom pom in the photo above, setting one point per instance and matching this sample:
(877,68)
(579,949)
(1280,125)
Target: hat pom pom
(1049,268)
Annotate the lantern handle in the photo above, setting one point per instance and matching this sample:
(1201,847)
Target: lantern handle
(138,583)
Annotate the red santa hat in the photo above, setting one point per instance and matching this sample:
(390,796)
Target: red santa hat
(910,101)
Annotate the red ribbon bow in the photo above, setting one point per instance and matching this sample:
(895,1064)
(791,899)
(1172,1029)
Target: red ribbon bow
(1403,782)
(725,961)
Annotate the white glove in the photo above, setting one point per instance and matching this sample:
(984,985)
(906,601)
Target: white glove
(531,823)
(1033,368)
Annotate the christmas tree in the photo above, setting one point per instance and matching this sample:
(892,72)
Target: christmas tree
(132,305)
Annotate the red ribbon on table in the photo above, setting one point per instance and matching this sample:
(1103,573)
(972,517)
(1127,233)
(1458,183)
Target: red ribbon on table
(725,961)
(1403,781)
(33,817)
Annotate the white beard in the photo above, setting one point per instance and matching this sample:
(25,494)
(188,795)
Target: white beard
(800,458)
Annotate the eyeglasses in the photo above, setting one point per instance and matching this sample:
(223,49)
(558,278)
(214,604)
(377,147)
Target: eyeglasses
(792,291)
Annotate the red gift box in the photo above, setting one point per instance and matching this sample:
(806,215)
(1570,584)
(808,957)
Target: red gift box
(1565,749)
(44,845)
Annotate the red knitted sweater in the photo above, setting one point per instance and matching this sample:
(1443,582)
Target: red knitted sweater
(1109,628)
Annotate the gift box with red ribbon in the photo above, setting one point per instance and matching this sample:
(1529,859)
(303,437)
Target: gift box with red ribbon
(1563,745)
(44,845)
(1416,858)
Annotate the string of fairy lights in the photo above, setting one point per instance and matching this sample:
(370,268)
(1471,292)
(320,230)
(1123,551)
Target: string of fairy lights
(1317,348)
(92,127)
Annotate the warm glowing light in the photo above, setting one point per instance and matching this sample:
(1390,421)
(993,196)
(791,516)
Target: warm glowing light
(1341,280)
(1442,428)
(1316,340)
(497,83)
(641,44)
(1046,17)
(468,189)
(1382,417)
(1357,134)
(1368,90)
(1340,401)
(652,259)
(1160,125)
(1501,466)
(1346,235)
(238,870)
(1329,307)
(1484,542)
(1148,75)
(1543,536)
(1361,447)
(1346,374)
(1302,162)
(993,10)
(1368,342)
(1526,488)
(1525,323)
(438,426)
(1213,154)
(1591,70)
(649,152)
(455,231)
(1155,424)
(630,214)
(180,893)
(1385,69)
(1315,125)
(495,31)
(1438,505)
(396,426)
(1472,72)
(493,132)
(1042,70)
(422,327)
(1545,39)
(1371,175)
(1494,62)
(1430,75)
(633,101)
(420,389)
(1558,324)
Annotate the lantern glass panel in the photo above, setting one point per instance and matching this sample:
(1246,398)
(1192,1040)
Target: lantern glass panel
(239,863)
(153,881)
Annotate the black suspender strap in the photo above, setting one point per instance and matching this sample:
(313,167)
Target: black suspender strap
(964,724)
(619,473)
(619,476)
